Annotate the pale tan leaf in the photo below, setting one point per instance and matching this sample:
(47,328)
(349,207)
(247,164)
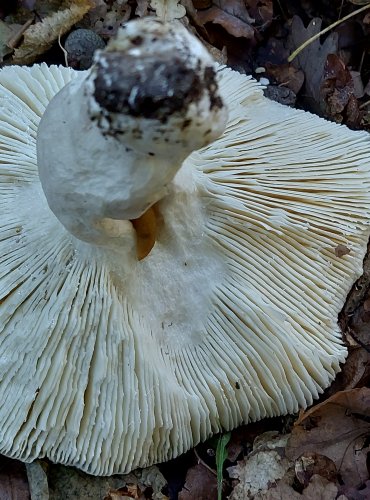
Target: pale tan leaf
(39,37)
(168,10)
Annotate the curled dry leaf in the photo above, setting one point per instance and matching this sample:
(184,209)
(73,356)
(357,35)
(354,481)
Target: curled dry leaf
(39,37)
(231,15)
(338,92)
(261,11)
(337,429)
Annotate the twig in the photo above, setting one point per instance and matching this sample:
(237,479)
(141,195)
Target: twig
(294,54)
(64,50)
(364,104)
(15,39)
(202,462)
(359,341)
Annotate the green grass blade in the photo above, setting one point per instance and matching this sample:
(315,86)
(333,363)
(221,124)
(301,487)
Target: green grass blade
(221,456)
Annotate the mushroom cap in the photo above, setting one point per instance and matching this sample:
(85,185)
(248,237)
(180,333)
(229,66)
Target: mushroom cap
(108,363)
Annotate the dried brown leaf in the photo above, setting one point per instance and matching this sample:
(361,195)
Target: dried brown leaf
(39,37)
(231,15)
(13,480)
(357,295)
(319,488)
(336,428)
(355,494)
(236,8)
(310,464)
(338,92)
(128,492)
(200,484)
(356,320)
(355,372)
(286,75)
(261,11)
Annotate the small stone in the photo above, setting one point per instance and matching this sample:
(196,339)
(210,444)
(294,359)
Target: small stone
(80,46)
(264,81)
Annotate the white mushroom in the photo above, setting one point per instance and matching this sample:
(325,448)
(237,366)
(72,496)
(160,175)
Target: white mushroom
(108,362)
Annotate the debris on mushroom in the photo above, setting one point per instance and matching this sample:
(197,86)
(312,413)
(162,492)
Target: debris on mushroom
(159,284)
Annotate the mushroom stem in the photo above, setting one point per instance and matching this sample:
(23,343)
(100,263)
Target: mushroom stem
(110,143)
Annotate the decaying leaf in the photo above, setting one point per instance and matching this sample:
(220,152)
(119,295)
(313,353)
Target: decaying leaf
(232,15)
(286,75)
(353,494)
(338,92)
(357,295)
(200,483)
(107,17)
(318,488)
(338,429)
(142,8)
(310,464)
(261,11)
(168,10)
(313,58)
(127,492)
(355,372)
(264,466)
(13,480)
(6,33)
(360,323)
(66,483)
(39,37)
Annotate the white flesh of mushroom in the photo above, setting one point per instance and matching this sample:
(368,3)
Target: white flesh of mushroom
(108,363)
